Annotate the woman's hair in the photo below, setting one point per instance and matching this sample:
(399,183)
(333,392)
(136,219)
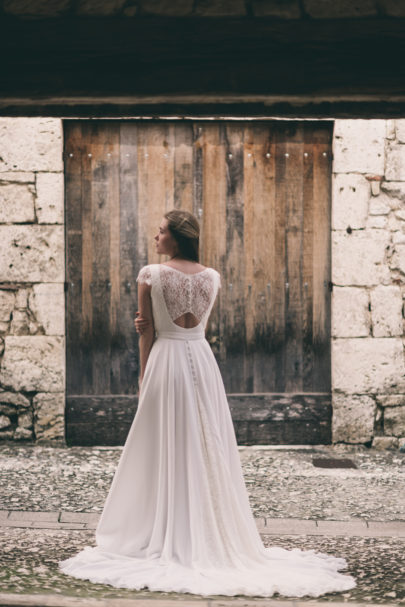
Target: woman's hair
(185,229)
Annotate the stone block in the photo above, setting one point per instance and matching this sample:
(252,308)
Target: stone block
(7,299)
(329,9)
(397,261)
(79,517)
(394,421)
(50,198)
(385,442)
(49,416)
(47,303)
(386,311)
(21,298)
(379,222)
(23,434)
(391,400)
(130,9)
(32,253)
(5,422)
(25,420)
(359,258)
(400,124)
(40,8)
(393,8)
(6,434)
(350,313)
(31,144)
(350,195)
(35,362)
(353,418)
(368,365)
(95,7)
(20,325)
(380,205)
(375,187)
(398,237)
(16,203)
(394,224)
(358,146)
(395,190)
(390,129)
(14,398)
(219,8)
(17,177)
(282,9)
(166,7)
(395,165)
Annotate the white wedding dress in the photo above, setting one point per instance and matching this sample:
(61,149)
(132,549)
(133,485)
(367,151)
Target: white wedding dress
(177,516)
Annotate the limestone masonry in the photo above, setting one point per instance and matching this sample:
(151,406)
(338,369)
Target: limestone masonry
(368,275)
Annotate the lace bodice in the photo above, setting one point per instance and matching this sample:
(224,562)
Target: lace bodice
(183,292)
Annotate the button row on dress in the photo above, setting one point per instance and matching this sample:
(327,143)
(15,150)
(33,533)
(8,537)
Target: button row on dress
(190,358)
(189,293)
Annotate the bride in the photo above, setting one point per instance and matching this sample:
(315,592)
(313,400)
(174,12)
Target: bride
(177,516)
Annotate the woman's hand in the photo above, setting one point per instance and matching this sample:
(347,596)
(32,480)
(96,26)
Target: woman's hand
(140,323)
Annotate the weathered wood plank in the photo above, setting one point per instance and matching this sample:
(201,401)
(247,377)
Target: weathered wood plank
(259,251)
(280,291)
(143,178)
(233,265)
(73,219)
(125,341)
(111,152)
(100,337)
(183,167)
(322,260)
(309,233)
(85,377)
(158,181)
(213,220)
(294,212)
(207,257)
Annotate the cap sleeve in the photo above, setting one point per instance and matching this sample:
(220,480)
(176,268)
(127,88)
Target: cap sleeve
(144,275)
(218,279)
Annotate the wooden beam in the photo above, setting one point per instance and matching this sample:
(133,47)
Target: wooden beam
(259,419)
(90,66)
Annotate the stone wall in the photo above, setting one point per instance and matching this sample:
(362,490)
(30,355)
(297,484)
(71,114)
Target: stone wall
(368,272)
(281,9)
(32,321)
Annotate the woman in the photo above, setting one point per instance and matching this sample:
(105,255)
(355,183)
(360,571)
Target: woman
(177,516)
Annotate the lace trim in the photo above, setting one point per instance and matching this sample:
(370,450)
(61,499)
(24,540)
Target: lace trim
(183,292)
(144,275)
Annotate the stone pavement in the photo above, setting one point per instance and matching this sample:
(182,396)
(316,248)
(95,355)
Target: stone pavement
(51,498)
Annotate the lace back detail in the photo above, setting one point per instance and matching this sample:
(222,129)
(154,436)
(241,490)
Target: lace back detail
(184,294)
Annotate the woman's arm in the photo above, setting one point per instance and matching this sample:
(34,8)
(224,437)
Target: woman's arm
(140,323)
(147,337)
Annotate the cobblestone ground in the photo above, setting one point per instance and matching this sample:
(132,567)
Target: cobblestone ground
(281,483)
(30,565)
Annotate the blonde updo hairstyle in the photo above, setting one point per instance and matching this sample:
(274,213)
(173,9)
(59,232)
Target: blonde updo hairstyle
(185,229)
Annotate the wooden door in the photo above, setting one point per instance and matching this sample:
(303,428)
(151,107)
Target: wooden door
(262,193)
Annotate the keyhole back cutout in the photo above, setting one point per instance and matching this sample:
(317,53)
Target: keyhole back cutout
(187,321)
